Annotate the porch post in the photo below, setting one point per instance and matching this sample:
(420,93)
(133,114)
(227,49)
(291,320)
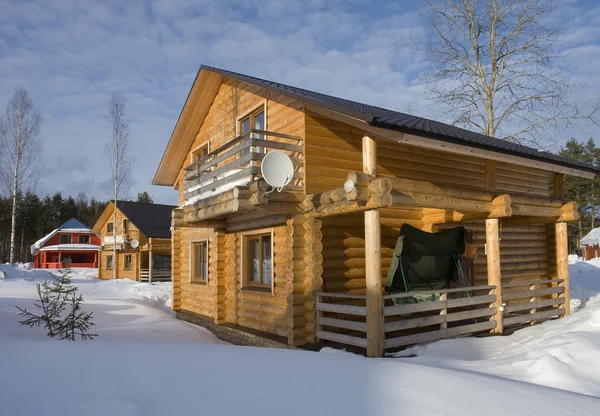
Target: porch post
(60,258)
(373,260)
(492,246)
(562,262)
(150,265)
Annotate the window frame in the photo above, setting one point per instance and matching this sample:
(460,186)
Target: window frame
(245,256)
(125,225)
(85,236)
(193,244)
(60,240)
(130,262)
(198,149)
(112,265)
(262,107)
(112,226)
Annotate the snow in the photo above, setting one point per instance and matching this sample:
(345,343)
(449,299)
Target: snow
(219,189)
(145,362)
(591,239)
(84,247)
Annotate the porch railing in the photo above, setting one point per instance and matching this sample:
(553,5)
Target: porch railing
(341,317)
(158,275)
(237,162)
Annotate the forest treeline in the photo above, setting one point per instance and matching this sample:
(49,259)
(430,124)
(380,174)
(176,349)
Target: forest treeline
(37,216)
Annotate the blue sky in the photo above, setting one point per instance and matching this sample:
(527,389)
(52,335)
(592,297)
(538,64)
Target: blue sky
(71,55)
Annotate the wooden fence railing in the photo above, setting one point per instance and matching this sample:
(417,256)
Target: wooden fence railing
(342,318)
(158,275)
(238,160)
(458,311)
(532,301)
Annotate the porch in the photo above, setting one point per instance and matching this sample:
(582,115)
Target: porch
(52,259)
(520,276)
(155,266)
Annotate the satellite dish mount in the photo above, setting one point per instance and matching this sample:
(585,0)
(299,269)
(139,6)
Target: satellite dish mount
(277,170)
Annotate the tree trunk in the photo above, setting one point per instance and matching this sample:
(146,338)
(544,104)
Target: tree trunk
(13,215)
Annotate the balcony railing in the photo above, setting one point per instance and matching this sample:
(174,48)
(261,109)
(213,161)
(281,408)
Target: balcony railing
(237,162)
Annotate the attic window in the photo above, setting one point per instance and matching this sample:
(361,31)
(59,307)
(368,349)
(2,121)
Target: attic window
(109,228)
(66,239)
(253,121)
(200,152)
(84,239)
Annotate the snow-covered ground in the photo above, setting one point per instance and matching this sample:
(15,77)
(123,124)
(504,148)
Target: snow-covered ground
(145,362)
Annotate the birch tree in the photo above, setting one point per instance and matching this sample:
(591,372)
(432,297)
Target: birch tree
(20,152)
(117,149)
(497,66)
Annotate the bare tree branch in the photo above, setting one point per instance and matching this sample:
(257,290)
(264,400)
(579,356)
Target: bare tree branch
(21,161)
(117,150)
(496,66)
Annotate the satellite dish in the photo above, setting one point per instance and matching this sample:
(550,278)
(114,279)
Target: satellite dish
(134,243)
(277,169)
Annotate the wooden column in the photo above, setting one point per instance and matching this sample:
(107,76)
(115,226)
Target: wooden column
(149,266)
(373,260)
(492,246)
(562,263)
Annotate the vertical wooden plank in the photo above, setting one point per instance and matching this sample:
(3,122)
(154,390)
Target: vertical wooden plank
(559,185)
(490,175)
(150,266)
(492,244)
(562,262)
(373,260)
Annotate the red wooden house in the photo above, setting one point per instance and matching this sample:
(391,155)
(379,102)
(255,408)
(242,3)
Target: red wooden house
(72,242)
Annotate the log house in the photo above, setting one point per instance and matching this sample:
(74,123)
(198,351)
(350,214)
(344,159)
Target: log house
(307,264)
(142,235)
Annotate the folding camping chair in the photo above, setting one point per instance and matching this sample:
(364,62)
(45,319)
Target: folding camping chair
(425,261)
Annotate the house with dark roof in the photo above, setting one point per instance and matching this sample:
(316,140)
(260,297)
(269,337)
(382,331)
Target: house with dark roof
(326,259)
(141,236)
(72,243)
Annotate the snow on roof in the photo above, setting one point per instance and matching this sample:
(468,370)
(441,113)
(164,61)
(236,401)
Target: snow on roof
(73,226)
(57,247)
(592,238)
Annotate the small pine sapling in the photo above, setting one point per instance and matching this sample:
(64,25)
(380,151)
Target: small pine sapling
(56,295)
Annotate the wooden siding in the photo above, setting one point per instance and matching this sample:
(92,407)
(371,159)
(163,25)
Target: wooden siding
(235,99)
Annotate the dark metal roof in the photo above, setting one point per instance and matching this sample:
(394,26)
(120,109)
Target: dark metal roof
(406,123)
(154,220)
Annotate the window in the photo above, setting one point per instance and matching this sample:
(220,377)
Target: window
(66,239)
(258,263)
(125,225)
(84,239)
(200,152)
(109,228)
(199,261)
(254,121)
(128,262)
(109,262)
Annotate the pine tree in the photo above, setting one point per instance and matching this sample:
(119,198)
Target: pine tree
(145,198)
(57,296)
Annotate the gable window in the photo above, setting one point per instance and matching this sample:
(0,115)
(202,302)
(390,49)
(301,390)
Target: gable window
(66,239)
(128,262)
(109,262)
(258,260)
(199,254)
(109,228)
(253,121)
(200,152)
(84,239)
(125,225)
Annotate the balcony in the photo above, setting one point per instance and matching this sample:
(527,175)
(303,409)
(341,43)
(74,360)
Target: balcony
(237,163)
(228,180)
